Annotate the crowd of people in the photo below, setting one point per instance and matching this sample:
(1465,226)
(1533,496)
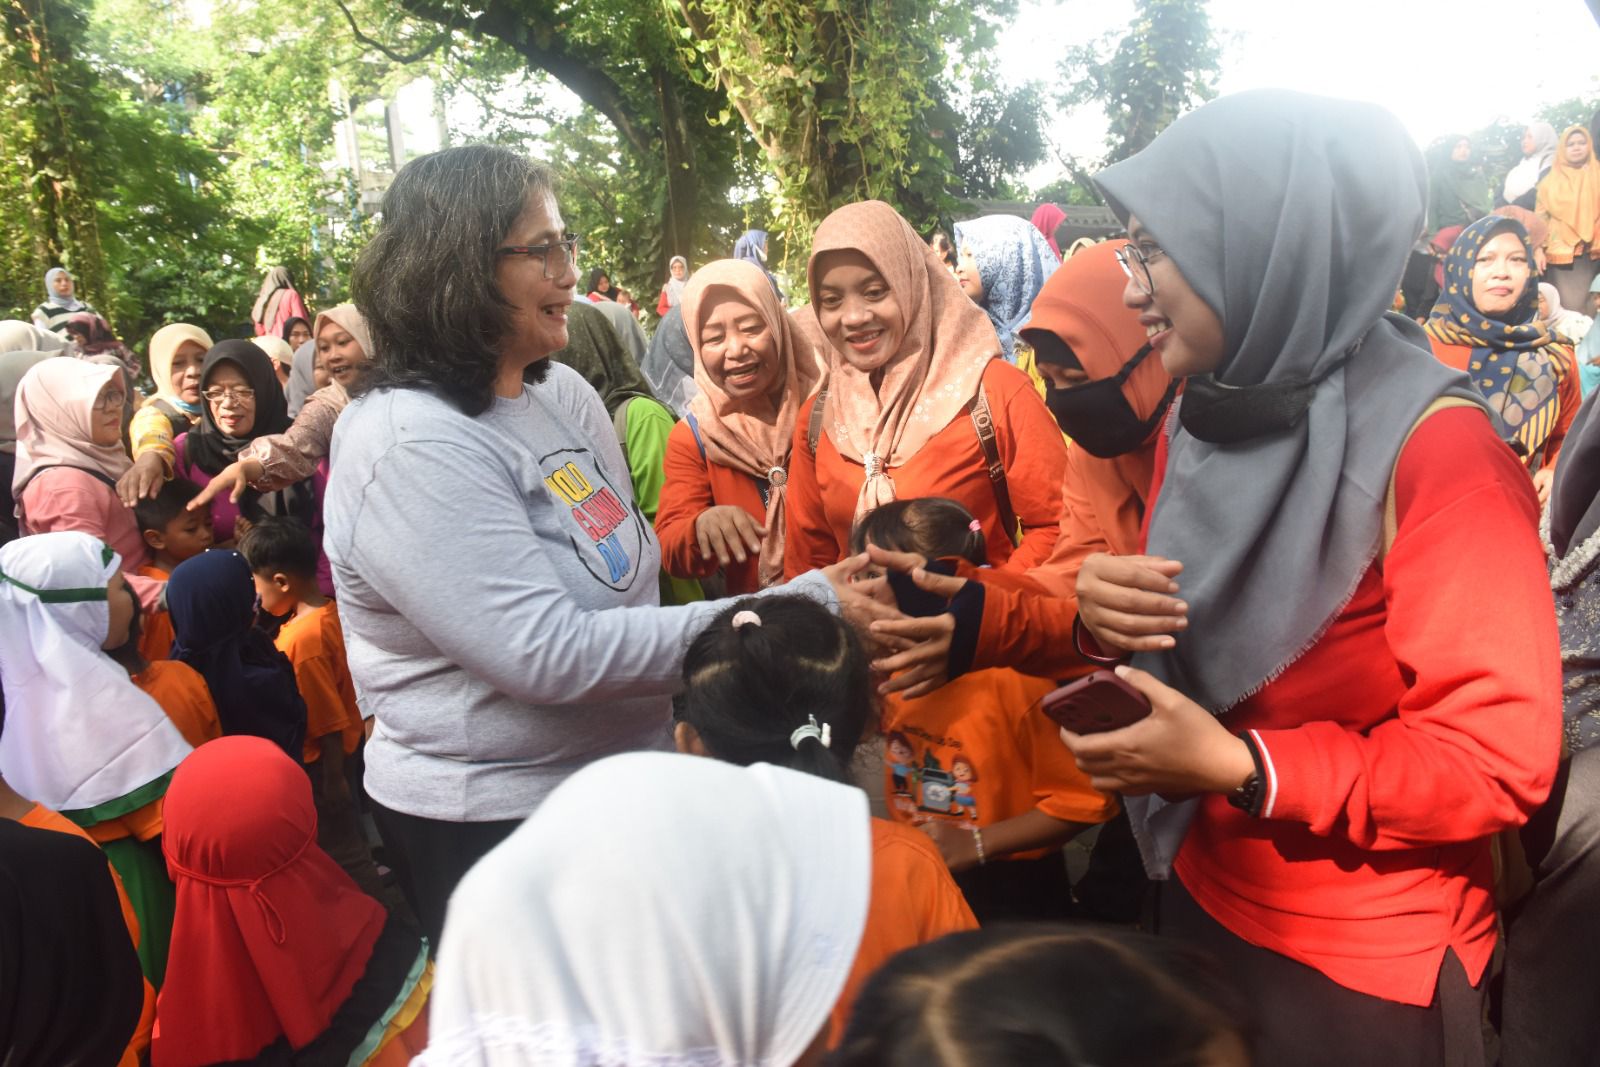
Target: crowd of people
(462,675)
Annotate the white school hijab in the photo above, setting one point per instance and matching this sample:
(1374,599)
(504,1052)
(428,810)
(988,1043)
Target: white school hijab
(657,910)
(79,735)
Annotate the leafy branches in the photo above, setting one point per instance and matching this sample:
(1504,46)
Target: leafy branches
(1165,64)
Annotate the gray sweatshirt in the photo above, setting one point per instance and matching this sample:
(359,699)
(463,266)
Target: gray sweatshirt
(497,587)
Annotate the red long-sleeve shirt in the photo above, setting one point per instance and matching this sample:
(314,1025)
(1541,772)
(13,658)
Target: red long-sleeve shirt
(1424,721)
(823,488)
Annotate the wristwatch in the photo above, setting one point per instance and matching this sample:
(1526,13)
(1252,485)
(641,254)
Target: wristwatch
(1247,795)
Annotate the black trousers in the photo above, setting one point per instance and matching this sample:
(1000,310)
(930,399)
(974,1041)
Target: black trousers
(1550,1006)
(430,856)
(1305,1019)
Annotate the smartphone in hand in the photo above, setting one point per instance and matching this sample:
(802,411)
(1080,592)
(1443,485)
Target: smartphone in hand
(1095,704)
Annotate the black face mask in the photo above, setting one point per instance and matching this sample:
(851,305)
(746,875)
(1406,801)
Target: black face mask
(1098,417)
(1228,414)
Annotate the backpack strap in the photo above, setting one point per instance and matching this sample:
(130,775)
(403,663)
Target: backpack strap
(814,426)
(983,424)
(763,486)
(619,423)
(98,475)
(694,428)
(1391,518)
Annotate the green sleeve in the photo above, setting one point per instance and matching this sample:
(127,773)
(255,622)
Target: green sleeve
(649,425)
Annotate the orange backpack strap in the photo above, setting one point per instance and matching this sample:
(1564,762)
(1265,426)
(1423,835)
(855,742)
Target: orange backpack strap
(814,426)
(983,423)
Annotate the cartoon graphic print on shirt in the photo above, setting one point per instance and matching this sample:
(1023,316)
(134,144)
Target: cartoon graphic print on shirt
(612,537)
(924,789)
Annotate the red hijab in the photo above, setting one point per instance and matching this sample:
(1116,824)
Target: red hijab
(270,936)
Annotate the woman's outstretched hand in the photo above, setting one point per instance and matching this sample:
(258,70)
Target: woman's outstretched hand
(862,601)
(920,662)
(1128,603)
(143,480)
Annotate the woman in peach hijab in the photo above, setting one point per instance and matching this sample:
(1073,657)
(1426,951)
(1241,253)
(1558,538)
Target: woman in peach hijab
(918,402)
(722,506)
(1110,394)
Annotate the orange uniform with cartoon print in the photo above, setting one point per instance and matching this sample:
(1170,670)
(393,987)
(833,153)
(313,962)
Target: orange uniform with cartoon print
(978,752)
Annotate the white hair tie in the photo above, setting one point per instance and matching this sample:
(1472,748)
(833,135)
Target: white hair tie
(745,618)
(823,733)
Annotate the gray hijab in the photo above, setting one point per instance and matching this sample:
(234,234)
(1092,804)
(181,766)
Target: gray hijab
(302,379)
(1291,216)
(669,364)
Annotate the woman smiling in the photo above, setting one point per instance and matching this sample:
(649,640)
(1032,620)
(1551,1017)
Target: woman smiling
(722,506)
(1337,723)
(919,402)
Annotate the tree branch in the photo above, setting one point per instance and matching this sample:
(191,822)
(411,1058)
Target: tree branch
(399,57)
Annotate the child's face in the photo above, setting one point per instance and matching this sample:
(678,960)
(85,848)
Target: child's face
(187,535)
(273,589)
(900,751)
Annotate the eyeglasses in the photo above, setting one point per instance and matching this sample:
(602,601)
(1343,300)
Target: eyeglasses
(239,395)
(1136,265)
(556,258)
(110,401)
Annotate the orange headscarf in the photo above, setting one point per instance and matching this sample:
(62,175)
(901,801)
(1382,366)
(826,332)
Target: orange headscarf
(752,436)
(946,348)
(1570,198)
(1082,304)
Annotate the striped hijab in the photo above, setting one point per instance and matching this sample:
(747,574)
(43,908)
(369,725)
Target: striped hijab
(1516,362)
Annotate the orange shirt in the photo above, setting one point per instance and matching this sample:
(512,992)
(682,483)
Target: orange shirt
(914,900)
(314,644)
(823,488)
(155,636)
(979,751)
(42,818)
(693,484)
(183,695)
(1569,393)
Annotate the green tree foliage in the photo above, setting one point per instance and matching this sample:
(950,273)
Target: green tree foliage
(54,110)
(1164,64)
(849,99)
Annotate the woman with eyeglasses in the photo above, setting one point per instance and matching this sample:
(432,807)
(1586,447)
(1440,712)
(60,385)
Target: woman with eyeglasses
(241,402)
(496,578)
(1345,709)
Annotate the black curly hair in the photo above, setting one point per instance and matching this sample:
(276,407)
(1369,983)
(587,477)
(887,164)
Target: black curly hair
(426,281)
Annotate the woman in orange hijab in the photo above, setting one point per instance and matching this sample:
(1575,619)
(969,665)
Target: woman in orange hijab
(919,402)
(722,504)
(1569,200)
(1109,393)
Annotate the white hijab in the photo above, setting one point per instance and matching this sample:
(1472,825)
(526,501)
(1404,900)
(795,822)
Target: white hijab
(1526,174)
(78,733)
(657,910)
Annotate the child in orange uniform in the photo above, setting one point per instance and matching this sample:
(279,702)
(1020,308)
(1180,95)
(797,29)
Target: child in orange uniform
(976,765)
(782,680)
(283,557)
(173,534)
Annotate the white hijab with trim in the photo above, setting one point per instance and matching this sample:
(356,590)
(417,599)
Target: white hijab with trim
(661,910)
(78,733)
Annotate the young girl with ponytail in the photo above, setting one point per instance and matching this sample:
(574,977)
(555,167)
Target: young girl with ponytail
(975,764)
(782,680)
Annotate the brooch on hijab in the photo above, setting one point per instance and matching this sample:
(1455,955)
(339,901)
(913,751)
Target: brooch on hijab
(777,477)
(873,464)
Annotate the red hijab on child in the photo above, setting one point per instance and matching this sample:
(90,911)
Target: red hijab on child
(270,936)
